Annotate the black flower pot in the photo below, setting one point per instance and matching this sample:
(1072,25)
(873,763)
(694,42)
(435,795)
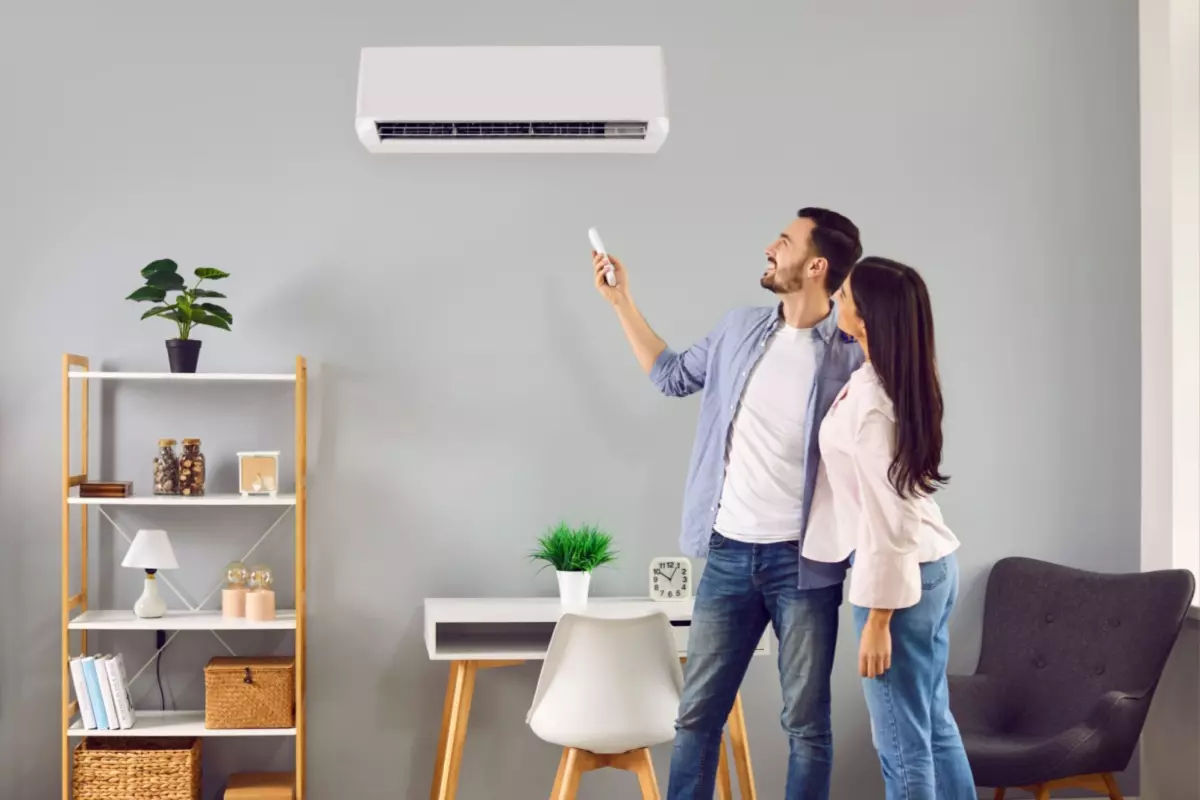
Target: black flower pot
(183,354)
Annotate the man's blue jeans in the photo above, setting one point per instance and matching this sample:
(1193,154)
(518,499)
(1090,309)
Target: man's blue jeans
(919,745)
(743,588)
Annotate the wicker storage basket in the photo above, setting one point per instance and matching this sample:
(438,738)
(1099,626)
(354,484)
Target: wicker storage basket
(254,692)
(121,768)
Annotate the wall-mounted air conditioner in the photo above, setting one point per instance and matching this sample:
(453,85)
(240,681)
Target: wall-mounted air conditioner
(512,99)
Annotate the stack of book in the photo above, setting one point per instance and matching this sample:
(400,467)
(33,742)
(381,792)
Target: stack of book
(102,690)
(106,489)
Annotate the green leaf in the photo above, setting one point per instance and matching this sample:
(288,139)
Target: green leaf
(210,273)
(166,280)
(158,311)
(204,318)
(151,293)
(162,265)
(205,293)
(216,310)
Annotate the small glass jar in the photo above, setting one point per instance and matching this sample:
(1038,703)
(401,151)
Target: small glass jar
(191,469)
(166,468)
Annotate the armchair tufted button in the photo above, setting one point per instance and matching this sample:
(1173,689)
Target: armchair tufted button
(1040,664)
(1116,623)
(1049,618)
(1100,670)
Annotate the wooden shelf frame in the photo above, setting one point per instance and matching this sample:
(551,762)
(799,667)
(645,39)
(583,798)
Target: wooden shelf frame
(76,368)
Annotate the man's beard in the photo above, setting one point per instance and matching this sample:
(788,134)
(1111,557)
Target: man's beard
(773,284)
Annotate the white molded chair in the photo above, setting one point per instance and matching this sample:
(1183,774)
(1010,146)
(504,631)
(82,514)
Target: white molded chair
(609,690)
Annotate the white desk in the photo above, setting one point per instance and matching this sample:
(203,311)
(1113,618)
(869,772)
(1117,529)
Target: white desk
(482,633)
(519,628)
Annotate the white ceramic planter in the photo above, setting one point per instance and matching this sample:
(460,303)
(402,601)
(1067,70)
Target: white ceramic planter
(573,589)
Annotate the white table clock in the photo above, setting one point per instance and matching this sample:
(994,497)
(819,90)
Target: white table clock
(670,578)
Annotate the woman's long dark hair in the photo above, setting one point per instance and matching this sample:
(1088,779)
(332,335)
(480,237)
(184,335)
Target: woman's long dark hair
(894,305)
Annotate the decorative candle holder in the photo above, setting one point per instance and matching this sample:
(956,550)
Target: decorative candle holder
(233,596)
(260,600)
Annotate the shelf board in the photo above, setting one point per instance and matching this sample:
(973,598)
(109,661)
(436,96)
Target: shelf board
(179,500)
(249,377)
(124,620)
(175,723)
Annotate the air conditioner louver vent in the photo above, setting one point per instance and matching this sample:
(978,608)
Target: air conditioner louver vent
(510,130)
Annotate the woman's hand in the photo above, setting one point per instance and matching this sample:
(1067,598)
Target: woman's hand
(875,646)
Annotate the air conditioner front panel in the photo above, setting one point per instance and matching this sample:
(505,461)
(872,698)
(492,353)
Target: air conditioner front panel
(512,99)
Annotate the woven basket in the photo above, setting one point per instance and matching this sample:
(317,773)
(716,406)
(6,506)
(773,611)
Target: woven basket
(120,768)
(254,692)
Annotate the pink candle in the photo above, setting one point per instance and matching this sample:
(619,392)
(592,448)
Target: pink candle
(260,605)
(233,602)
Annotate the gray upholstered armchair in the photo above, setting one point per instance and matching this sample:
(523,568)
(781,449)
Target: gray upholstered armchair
(1069,663)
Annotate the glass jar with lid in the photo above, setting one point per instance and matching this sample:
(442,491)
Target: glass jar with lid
(166,468)
(191,469)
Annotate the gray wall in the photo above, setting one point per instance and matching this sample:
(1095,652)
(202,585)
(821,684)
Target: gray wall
(1172,733)
(470,387)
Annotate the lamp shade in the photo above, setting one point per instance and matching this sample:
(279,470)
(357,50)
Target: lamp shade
(151,549)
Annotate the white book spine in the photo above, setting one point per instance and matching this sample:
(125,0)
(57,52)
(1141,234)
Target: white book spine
(124,678)
(87,718)
(119,695)
(106,691)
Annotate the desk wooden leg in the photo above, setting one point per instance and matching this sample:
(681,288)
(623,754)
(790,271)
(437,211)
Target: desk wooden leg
(455,713)
(724,786)
(741,750)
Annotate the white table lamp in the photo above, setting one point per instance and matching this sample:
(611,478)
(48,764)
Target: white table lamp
(151,551)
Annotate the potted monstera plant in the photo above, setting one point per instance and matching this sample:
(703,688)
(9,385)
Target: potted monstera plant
(574,552)
(190,308)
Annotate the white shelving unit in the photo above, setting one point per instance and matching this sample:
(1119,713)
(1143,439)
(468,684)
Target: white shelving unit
(174,500)
(124,620)
(79,619)
(243,377)
(177,723)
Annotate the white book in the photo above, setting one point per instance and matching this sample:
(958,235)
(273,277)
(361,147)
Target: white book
(87,718)
(128,692)
(110,710)
(114,667)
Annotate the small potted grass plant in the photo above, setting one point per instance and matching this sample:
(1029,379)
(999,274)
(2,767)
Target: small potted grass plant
(574,552)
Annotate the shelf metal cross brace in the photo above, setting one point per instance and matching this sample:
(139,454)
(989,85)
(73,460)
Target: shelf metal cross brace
(199,606)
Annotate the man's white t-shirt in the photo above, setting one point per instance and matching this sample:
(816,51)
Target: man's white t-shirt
(763,494)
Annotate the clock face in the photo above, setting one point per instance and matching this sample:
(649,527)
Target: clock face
(670,578)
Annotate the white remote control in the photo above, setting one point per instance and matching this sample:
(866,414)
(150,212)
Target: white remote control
(597,245)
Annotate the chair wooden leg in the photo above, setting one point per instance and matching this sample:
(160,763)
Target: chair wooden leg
(571,770)
(1041,792)
(999,795)
(558,777)
(741,750)
(1110,783)
(643,767)
(724,782)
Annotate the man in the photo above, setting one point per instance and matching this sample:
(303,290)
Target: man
(768,375)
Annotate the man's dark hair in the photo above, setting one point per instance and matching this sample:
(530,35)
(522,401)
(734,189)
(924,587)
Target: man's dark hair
(836,240)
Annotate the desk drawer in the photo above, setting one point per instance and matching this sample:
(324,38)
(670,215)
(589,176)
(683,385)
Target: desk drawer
(682,631)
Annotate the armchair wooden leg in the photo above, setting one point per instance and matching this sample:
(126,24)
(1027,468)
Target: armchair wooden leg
(999,795)
(1110,783)
(1041,792)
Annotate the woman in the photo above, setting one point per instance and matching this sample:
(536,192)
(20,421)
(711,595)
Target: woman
(881,448)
